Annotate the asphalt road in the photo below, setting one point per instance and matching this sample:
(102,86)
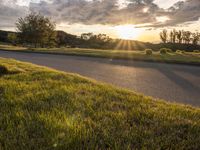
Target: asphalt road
(176,83)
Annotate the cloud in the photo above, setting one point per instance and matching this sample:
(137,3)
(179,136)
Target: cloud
(98,11)
(9,12)
(108,12)
(105,12)
(187,11)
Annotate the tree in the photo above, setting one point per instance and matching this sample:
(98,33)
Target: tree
(163,36)
(187,37)
(179,36)
(173,34)
(103,38)
(36,29)
(195,38)
(87,36)
(65,39)
(12,37)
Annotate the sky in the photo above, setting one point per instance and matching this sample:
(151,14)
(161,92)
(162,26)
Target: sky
(128,19)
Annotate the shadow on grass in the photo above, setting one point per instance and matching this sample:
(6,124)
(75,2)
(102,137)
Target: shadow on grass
(5,71)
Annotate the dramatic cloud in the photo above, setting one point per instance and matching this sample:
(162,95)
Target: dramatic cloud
(109,12)
(9,12)
(185,12)
(99,11)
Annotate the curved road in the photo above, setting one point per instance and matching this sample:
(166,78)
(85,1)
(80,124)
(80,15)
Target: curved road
(179,83)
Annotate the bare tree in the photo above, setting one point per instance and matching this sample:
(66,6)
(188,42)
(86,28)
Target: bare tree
(164,36)
(179,35)
(173,35)
(187,37)
(195,38)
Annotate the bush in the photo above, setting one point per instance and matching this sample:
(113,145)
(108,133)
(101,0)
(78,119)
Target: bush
(196,51)
(3,70)
(165,50)
(169,50)
(179,51)
(148,51)
(184,51)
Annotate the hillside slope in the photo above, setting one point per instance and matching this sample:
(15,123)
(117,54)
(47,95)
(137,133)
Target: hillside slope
(46,109)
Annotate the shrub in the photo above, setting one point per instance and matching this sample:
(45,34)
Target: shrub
(184,51)
(148,51)
(164,50)
(196,51)
(3,70)
(31,49)
(179,51)
(169,50)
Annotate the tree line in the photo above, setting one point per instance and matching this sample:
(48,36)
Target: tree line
(180,37)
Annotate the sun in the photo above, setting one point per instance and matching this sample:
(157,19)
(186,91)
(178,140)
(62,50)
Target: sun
(128,32)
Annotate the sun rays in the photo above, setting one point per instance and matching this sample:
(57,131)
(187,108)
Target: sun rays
(128,45)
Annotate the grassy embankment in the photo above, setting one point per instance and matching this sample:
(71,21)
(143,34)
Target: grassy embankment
(46,109)
(173,57)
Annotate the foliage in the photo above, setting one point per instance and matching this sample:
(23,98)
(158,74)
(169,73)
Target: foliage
(36,29)
(163,36)
(168,50)
(96,40)
(148,51)
(196,51)
(180,37)
(179,51)
(173,35)
(4,36)
(68,40)
(12,37)
(163,51)
(195,38)
(65,39)
(45,109)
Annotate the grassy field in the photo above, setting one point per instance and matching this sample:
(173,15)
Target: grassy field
(46,109)
(173,57)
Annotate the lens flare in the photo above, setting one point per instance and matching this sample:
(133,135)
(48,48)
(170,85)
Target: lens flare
(128,32)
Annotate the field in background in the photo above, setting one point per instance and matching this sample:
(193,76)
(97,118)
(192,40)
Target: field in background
(170,57)
(46,109)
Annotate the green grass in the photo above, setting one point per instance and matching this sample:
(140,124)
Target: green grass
(185,57)
(46,109)
(10,47)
